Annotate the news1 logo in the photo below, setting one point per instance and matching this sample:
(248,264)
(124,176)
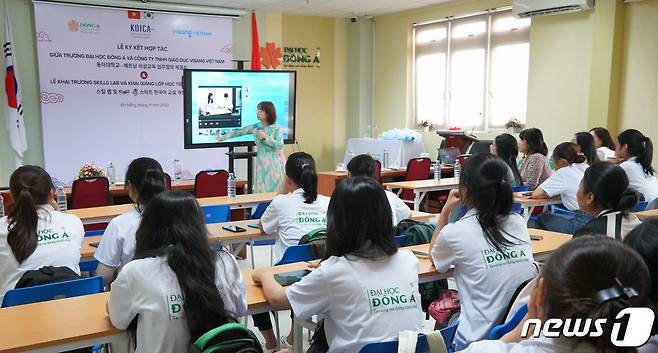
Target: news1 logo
(630,328)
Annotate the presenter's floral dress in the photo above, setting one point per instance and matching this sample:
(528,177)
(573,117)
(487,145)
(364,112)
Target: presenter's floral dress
(270,160)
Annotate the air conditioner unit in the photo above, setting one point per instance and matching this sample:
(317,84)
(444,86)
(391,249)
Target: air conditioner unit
(532,8)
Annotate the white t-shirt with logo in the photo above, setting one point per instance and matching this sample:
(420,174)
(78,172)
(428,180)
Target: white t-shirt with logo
(362,301)
(117,246)
(148,289)
(293,218)
(399,209)
(565,182)
(532,345)
(638,180)
(486,279)
(59,238)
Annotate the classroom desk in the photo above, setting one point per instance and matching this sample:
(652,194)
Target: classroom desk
(422,187)
(65,324)
(528,204)
(106,213)
(646,214)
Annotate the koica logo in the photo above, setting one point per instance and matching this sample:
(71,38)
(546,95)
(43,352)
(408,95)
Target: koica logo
(630,328)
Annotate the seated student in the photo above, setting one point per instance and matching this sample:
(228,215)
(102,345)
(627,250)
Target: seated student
(585,145)
(604,194)
(506,148)
(144,180)
(34,234)
(605,147)
(635,152)
(644,240)
(534,167)
(363,165)
(587,278)
(570,167)
(177,287)
(363,265)
(292,215)
(480,246)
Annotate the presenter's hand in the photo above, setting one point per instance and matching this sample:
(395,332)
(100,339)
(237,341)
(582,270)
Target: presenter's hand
(262,135)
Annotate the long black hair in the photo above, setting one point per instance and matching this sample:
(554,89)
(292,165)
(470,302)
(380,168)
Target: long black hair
(586,142)
(30,186)
(359,220)
(300,168)
(639,146)
(583,267)
(487,190)
(604,135)
(172,226)
(535,140)
(569,152)
(609,184)
(507,149)
(146,176)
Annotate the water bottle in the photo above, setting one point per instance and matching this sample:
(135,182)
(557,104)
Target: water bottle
(437,170)
(231,185)
(458,169)
(61,199)
(2,206)
(385,157)
(111,173)
(177,170)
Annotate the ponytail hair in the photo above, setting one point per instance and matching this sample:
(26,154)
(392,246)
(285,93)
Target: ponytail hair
(578,272)
(146,176)
(172,226)
(569,152)
(487,190)
(609,184)
(535,140)
(586,142)
(300,168)
(639,146)
(30,186)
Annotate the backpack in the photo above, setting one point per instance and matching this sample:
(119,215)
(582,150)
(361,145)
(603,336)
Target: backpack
(46,275)
(228,338)
(317,240)
(421,233)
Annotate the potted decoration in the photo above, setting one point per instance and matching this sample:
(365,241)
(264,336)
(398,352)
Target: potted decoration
(90,170)
(427,126)
(514,126)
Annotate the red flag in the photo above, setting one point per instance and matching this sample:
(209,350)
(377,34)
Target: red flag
(255,47)
(134,15)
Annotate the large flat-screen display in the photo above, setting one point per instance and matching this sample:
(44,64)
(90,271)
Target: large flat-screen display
(220,101)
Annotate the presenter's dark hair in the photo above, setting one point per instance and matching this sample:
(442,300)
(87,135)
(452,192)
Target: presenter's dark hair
(587,146)
(300,168)
(507,149)
(146,176)
(604,135)
(569,152)
(172,226)
(270,111)
(639,146)
(609,185)
(535,140)
(359,220)
(30,186)
(362,165)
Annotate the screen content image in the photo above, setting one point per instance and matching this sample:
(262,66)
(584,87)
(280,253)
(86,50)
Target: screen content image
(221,101)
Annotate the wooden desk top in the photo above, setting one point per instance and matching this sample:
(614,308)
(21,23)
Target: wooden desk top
(428,184)
(386,173)
(527,201)
(422,216)
(646,214)
(183,185)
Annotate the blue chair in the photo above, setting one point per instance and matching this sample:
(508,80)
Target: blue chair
(297,253)
(641,206)
(521,188)
(401,240)
(91,265)
(447,333)
(94,233)
(216,213)
(500,330)
(51,291)
(257,214)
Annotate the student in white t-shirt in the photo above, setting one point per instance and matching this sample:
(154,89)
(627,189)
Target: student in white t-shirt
(363,165)
(605,146)
(33,234)
(366,289)
(292,215)
(586,278)
(635,151)
(586,146)
(144,180)
(177,287)
(570,167)
(489,247)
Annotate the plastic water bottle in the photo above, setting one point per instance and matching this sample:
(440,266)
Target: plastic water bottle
(111,173)
(231,185)
(437,170)
(458,169)
(61,199)
(2,206)
(385,157)
(178,168)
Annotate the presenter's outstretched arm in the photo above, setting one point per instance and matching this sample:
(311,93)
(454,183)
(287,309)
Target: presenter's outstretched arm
(235,133)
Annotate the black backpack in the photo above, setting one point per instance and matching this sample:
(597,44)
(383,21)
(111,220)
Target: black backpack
(317,240)
(228,338)
(46,275)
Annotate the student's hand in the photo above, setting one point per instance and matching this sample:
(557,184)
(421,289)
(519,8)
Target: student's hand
(262,135)
(313,264)
(259,274)
(454,198)
(53,203)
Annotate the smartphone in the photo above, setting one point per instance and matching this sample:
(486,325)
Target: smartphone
(94,244)
(288,278)
(536,237)
(253,225)
(234,229)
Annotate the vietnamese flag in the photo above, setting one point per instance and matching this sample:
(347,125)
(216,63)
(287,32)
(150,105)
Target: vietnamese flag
(255,47)
(133,15)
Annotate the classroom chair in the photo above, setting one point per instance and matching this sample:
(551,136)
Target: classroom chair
(521,188)
(378,171)
(216,213)
(167,179)
(256,215)
(401,240)
(90,192)
(297,253)
(447,333)
(211,183)
(51,291)
(6,200)
(641,206)
(500,330)
(417,169)
(652,205)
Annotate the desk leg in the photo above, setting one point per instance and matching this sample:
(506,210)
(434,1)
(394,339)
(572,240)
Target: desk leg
(298,331)
(417,200)
(527,212)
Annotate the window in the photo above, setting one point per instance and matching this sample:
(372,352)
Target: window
(472,72)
